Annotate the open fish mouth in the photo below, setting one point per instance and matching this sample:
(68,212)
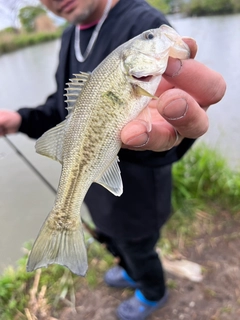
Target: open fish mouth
(144,78)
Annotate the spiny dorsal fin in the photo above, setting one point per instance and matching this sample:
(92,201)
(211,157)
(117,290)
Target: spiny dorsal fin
(82,75)
(74,89)
(51,142)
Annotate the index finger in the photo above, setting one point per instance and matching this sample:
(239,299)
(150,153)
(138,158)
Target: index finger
(205,85)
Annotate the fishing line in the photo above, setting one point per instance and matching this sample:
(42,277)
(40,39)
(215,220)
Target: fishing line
(44,180)
(33,168)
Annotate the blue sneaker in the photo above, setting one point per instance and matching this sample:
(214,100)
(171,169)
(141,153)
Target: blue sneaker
(138,307)
(118,277)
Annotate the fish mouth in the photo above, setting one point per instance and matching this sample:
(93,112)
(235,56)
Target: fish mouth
(143,78)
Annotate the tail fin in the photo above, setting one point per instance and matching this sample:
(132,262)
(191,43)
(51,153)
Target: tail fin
(61,246)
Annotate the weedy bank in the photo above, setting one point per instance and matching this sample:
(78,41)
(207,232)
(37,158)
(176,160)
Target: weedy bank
(203,184)
(10,40)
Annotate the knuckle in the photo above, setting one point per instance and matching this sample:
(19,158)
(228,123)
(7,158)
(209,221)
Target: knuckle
(203,128)
(199,130)
(218,90)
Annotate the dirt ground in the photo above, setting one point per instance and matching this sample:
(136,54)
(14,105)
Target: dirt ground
(217,297)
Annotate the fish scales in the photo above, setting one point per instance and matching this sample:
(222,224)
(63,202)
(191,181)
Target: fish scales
(102,119)
(88,141)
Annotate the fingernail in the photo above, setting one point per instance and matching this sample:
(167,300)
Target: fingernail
(174,67)
(176,109)
(138,141)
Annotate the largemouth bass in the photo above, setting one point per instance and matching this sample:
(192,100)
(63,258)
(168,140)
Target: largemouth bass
(87,142)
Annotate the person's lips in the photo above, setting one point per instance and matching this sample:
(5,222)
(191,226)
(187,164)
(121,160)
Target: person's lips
(67,6)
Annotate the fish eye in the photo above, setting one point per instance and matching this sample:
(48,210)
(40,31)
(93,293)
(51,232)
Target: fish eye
(149,35)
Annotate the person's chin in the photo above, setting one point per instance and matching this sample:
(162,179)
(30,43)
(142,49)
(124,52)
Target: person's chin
(71,17)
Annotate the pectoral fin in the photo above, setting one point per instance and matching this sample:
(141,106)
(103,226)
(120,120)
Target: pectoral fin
(142,92)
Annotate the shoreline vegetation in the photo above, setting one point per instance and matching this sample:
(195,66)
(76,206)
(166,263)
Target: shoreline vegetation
(197,7)
(203,186)
(12,39)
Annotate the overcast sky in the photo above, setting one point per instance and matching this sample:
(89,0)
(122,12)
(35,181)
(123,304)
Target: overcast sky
(9,8)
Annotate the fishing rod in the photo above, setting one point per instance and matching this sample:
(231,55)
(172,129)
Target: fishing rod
(34,169)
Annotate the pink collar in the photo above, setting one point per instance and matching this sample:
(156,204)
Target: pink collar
(88,25)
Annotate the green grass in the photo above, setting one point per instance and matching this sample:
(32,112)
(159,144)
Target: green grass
(203,184)
(203,176)
(16,284)
(202,181)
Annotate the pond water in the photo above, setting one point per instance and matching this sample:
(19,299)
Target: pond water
(26,79)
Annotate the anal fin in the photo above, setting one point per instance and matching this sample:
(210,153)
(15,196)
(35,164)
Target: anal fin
(111,178)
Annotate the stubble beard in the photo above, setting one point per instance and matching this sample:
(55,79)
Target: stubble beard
(81,17)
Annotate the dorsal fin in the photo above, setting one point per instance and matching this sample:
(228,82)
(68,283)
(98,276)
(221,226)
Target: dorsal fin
(74,88)
(50,144)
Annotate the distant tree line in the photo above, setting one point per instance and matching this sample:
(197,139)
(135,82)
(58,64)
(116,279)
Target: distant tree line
(197,7)
(27,16)
(30,25)
(211,7)
(10,9)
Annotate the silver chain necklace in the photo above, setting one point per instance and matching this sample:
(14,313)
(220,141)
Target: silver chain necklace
(82,57)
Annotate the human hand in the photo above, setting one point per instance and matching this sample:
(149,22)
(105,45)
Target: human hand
(186,91)
(10,122)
